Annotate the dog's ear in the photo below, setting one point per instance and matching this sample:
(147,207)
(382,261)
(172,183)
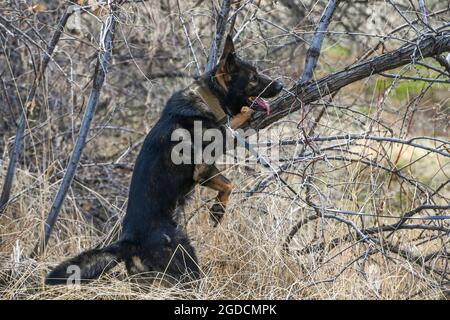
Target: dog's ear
(228,49)
(227,62)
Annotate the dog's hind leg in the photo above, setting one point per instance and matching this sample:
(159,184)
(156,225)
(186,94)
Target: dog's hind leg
(165,254)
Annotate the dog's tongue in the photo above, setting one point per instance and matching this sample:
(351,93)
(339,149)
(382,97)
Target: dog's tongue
(263,104)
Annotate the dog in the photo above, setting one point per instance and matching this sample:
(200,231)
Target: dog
(152,241)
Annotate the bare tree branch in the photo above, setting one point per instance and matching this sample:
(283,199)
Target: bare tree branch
(106,45)
(423,11)
(316,44)
(17,146)
(425,46)
(350,137)
(221,24)
(186,33)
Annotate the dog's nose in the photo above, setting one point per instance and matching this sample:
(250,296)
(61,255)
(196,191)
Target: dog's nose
(277,85)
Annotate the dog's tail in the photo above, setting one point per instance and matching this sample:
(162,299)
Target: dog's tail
(90,264)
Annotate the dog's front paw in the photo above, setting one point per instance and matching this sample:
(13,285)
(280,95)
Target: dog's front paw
(217,212)
(247,112)
(242,117)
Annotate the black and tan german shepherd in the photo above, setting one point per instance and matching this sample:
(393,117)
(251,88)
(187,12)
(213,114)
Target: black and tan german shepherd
(152,240)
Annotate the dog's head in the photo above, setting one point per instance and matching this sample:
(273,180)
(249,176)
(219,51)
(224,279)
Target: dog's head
(241,83)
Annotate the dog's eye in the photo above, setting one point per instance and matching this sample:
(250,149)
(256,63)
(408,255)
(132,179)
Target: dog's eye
(253,78)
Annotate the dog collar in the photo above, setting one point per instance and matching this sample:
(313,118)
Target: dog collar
(211,102)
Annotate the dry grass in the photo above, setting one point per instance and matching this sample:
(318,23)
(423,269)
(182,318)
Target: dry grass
(243,258)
